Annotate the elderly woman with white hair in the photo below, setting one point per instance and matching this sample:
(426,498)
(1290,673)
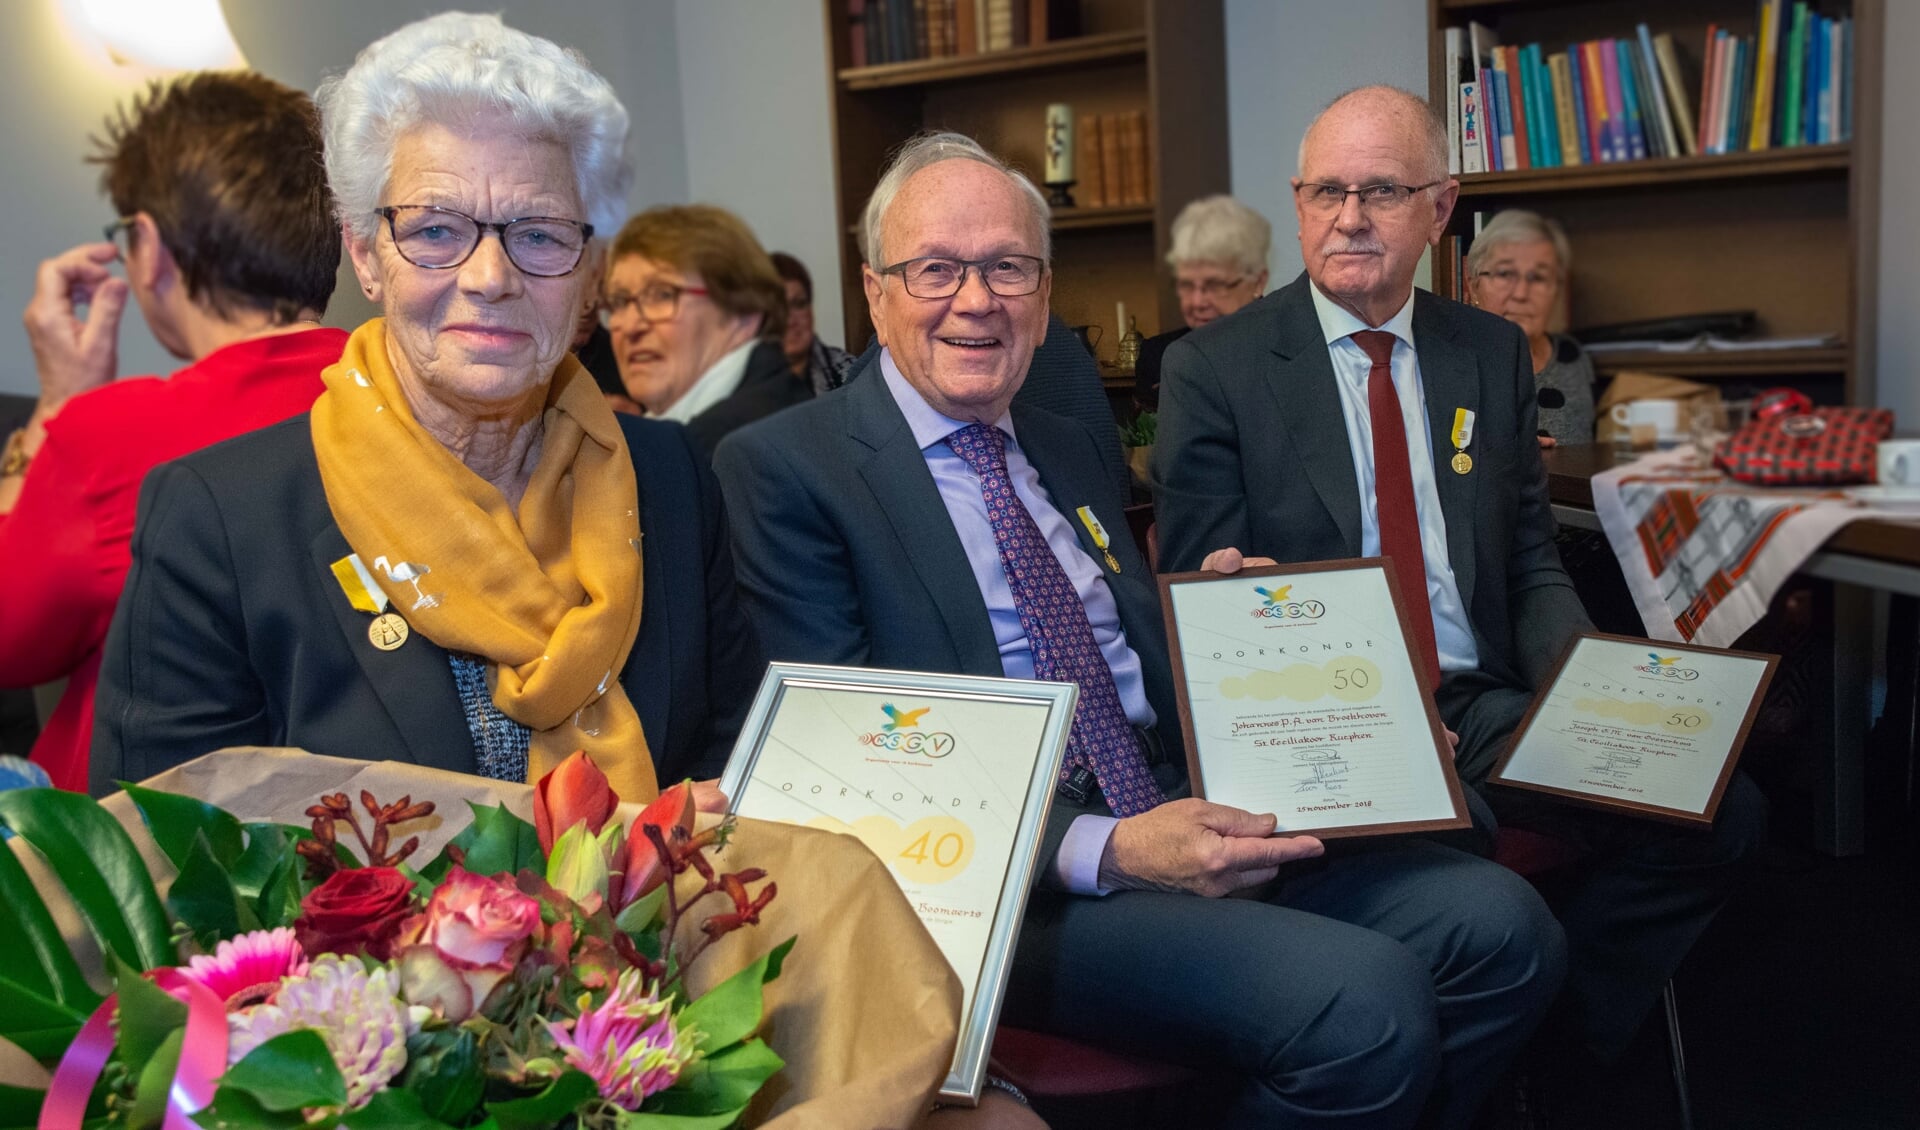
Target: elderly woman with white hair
(1219,259)
(1517,268)
(461,557)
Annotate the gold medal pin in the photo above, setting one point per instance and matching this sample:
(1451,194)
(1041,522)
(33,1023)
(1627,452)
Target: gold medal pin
(388,630)
(1462,436)
(1099,534)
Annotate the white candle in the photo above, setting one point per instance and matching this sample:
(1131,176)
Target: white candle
(1119,320)
(1059,143)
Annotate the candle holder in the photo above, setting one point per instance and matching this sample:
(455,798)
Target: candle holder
(1061,198)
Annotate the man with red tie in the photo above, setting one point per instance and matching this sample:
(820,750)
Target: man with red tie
(1349,415)
(921,517)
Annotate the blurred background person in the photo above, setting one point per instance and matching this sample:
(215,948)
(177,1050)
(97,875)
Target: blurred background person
(592,344)
(228,243)
(446,559)
(1517,268)
(823,366)
(1219,260)
(697,315)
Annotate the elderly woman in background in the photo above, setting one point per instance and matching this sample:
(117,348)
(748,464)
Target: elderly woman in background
(824,367)
(460,557)
(1219,260)
(1517,268)
(697,314)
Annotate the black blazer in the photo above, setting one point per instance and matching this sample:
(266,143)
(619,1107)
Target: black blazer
(847,555)
(233,631)
(768,385)
(1252,452)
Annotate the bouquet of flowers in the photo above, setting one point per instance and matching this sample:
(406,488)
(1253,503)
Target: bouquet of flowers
(529,976)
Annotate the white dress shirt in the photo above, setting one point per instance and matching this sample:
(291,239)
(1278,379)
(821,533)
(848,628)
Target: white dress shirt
(1452,634)
(714,385)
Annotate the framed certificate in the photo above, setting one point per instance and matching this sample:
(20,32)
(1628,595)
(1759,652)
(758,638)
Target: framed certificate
(1648,728)
(1299,697)
(947,778)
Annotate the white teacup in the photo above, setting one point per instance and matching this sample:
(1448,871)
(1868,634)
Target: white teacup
(1662,417)
(1899,463)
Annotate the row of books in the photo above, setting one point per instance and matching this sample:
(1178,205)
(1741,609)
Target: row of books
(899,31)
(1110,160)
(1627,99)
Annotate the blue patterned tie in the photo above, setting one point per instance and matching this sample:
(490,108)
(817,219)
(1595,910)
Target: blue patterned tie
(1057,630)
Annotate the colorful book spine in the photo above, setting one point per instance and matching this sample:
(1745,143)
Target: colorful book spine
(1473,153)
(1846,80)
(1490,108)
(1549,106)
(1648,67)
(1709,90)
(1503,101)
(1514,92)
(1582,119)
(1761,135)
(1597,100)
(1453,63)
(1616,101)
(1630,102)
(1670,77)
(1810,96)
(1740,96)
(1564,123)
(1791,133)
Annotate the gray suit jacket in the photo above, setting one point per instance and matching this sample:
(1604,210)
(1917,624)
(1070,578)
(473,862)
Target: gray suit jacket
(1253,453)
(846,553)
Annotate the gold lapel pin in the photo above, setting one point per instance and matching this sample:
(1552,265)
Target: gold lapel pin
(388,631)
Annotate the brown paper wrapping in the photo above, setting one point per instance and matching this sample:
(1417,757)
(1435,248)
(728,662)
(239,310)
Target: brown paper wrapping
(1630,386)
(865,1013)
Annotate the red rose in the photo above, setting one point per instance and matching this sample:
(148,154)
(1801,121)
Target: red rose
(356,911)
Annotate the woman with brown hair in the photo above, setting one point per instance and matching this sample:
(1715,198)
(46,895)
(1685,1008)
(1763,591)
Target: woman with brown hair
(697,314)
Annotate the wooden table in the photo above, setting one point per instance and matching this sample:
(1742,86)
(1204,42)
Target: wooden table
(1865,557)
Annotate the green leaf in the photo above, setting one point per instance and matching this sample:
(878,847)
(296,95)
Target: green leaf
(203,897)
(538,1112)
(290,1071)
(724,1082)
(148,1014)
(237,1110)
(443,1070)
(269,846)
(494,842)
(156,1081)
(101,869)
(730,1011)
(42,1026)
(391,1110)
(279,901)
(657,1120)
(32,951)
(637,917)
(174,820)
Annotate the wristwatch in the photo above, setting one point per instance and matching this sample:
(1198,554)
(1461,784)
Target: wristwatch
(16,457)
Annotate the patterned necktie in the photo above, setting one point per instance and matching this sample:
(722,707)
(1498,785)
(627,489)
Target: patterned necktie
(1057,630)
(1393,497)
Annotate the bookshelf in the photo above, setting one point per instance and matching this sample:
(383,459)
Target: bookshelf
(1165,58)
(1790,233)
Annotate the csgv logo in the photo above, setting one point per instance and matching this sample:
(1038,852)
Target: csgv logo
(901,733)
(1666,667)
(1277,604)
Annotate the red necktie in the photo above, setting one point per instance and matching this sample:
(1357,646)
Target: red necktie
(1393,497)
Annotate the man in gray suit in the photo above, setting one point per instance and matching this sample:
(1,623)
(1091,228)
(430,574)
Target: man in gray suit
(923,518)
(1348,415)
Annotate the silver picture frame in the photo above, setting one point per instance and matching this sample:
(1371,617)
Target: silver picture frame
(988,984)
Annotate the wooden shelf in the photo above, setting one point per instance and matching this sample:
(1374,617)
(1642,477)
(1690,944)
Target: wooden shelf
(1126,215)
(1064,54)
(1709,364)
(1800,161)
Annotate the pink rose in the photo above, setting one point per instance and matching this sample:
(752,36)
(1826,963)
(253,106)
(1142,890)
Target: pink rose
(473,933)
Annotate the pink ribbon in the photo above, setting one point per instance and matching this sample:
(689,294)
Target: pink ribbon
(203,1058)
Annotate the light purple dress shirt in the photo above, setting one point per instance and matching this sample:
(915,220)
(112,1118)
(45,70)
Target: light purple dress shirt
(1078,864)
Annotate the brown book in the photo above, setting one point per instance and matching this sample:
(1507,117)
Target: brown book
(999,24)
(966,26)
(1111,164)
(1089,193)
(1136,182)
(1036,22)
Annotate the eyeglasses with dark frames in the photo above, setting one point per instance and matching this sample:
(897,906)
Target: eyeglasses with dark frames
(933,276)
(1327,199)
(656,302)
(440,239)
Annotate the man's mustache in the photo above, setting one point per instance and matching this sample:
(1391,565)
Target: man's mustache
(1354,247)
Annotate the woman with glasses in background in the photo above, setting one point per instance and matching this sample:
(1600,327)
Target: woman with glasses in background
(697,315)
(461,557)
(1219,260)
(1517,268)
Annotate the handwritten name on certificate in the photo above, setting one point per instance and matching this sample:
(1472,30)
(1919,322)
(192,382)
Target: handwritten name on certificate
(1648,728)
(948,787)
(1299,698)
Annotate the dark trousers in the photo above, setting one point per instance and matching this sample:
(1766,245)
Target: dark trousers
(1643,893)
(1381,986)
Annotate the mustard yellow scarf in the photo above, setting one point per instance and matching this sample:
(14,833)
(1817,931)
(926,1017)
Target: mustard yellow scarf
(550,595)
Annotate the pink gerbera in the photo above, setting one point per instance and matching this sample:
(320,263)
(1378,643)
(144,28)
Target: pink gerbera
(246,970)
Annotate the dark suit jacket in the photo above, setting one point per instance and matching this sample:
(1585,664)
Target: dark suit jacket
(768,385)
(1253,453)
(847,555)
(233,631)
(1063,379)
(1146,370)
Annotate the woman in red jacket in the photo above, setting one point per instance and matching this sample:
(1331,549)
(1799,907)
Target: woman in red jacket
(229,247)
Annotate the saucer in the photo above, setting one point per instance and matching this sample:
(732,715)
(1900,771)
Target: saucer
(1887,498)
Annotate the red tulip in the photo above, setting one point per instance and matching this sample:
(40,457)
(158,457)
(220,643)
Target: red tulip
(574,792)
(645,870)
